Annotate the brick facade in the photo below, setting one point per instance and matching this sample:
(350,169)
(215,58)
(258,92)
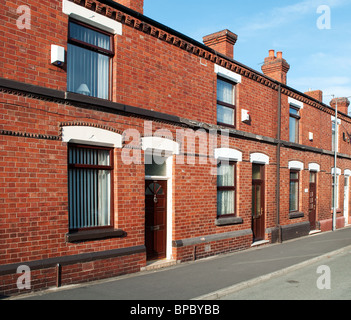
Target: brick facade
(164,86)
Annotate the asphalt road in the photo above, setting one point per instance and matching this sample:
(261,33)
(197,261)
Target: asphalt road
(327,279)
(210,279)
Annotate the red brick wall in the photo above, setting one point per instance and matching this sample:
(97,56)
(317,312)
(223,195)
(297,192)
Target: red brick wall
(25,53)
(153,74)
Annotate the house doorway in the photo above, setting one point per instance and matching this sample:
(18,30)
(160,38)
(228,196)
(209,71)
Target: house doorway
(155,219)
(312,200)
(346,199)
(258,201)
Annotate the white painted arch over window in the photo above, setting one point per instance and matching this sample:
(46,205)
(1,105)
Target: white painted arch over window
(296,165)
(347,172)
(158,143)
(259,158)
(91,136)
(228,154)
(338,171)
(314,167)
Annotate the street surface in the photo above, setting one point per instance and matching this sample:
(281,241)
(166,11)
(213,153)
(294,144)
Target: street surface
(209,279)
(303,283)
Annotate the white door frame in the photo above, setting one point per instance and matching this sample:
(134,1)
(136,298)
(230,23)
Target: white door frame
(346,198)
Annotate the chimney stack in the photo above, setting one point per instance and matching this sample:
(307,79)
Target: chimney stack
(316,94)
(136,5)
(222,41)
(275,66)
(343,105)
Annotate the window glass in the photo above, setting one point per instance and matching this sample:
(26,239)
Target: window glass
(225,102)
(158,167)
(225,189)
(89,181)
(88,62)
(225,202)
(256,172)
(89,36)
(294,125)
(294,191)
(225,115)
(225,91)
(225,176)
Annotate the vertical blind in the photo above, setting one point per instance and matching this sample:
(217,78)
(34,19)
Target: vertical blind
(88,70)
(89,188)
(225,198)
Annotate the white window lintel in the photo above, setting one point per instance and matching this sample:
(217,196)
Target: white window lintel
(296,165)
(92,18)
(314,167)
(225,73)
(91,136)
(228,154)
(259,158)
(295,103)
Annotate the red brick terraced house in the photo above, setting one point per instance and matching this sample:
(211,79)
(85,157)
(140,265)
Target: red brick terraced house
(124,142)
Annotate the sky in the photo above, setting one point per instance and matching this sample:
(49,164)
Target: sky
(314,35)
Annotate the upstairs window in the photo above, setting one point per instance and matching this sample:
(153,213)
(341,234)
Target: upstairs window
(294,119)
(225,102)
(89,53)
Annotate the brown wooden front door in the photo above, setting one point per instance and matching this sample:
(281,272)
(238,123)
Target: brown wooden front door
(258,200)
(155,219)
(312,200)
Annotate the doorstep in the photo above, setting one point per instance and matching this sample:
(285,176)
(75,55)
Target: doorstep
(159,264)
(258,243)
(314,231)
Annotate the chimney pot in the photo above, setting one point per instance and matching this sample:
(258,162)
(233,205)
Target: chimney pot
(276,67)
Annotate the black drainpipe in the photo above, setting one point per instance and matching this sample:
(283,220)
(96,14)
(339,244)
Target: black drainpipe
(279,236)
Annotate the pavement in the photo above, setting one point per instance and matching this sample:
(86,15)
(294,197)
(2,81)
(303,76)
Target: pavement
(211,278)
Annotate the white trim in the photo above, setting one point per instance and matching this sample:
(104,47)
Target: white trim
(161,178)
(259,158)
(161,144)
(296,165)
(314,167)
(225,73)
(333,119)
(92,18)
(158,143)
(228,154)
(295,103)
(338,171)
(347,172)
(91,136)
(169,170)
